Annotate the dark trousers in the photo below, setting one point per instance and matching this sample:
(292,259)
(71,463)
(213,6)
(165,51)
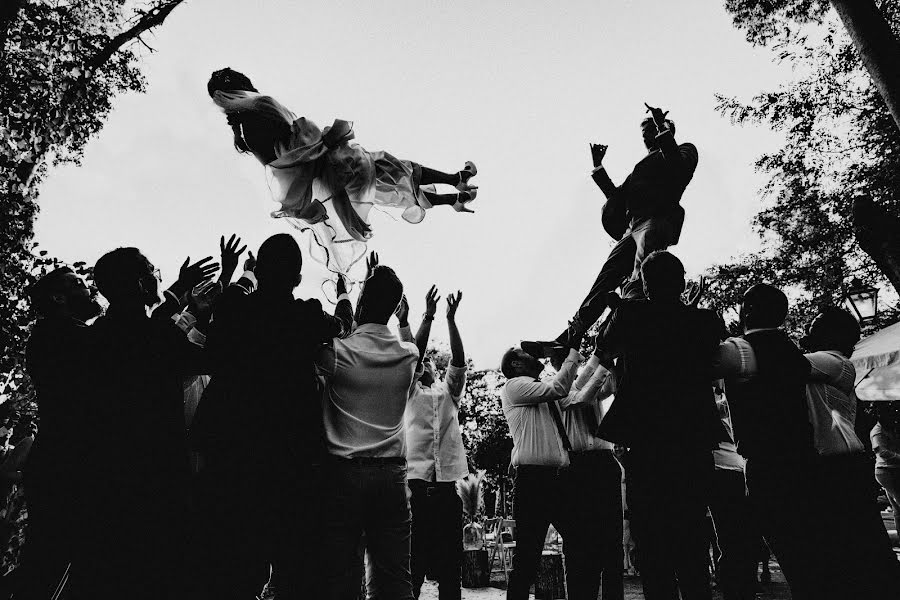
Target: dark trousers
(249,522)
(593,488)
(736,536)
(545,495)
(367,496)
(860,550)
(436,547)
(51,538)
(668,494)
(786,507)
(623,265)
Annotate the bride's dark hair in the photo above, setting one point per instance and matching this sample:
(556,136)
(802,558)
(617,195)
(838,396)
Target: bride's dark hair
(229,80)
(253,131)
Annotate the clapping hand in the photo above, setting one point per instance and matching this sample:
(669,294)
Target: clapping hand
(203,296)
(452,305)
(402,312)
(659,117)
(431,301)
(695,292)
(230,253)
(598,152)
(192,275)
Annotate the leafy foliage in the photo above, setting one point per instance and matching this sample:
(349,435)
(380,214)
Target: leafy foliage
(62,65)
(765,20)
(839,140)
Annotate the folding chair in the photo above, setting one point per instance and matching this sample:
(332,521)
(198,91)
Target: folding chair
(500,547)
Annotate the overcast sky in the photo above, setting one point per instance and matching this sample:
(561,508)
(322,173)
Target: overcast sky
(518,87)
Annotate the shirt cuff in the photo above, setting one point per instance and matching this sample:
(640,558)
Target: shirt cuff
(454,370)
(196,336)
(595,169)
(251,277)
(344,296)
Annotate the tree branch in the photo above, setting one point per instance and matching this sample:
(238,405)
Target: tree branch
(148,20)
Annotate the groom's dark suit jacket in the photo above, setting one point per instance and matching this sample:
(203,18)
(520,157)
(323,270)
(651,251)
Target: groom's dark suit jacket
(655,186)
(665,396)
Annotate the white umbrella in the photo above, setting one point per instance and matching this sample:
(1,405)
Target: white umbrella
(877,362)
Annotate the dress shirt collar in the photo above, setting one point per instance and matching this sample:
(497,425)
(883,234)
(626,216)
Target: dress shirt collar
(373,328)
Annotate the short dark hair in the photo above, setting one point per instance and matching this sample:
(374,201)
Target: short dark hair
(663,275)
(279,261)
(381,294)
(768,304)
(118,271)
(836,329)
(506,363)
(41,292)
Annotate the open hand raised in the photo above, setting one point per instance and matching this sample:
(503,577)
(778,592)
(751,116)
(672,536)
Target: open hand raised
(402,311)
(230,253)
(452,305)
(431,301)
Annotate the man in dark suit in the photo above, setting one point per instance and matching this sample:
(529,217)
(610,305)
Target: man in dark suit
(57,357)
(665,412)
(261,431)
(137,462)
(643,215)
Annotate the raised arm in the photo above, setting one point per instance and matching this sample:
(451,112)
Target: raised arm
(599,174)
(595,382)
(523,392)
(402,314)
(684,156)
(189,276)
(341,323)
(457,353)
(431,300)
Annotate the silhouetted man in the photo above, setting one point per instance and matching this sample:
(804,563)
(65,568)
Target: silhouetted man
(643,214)
(263,426)
(57,359)
(665,413)
(138,459)
(765,380)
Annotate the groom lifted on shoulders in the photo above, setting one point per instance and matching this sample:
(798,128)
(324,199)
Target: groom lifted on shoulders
(643,214)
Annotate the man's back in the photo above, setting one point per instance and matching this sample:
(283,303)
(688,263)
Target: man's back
(369,378)
(263,348)
(666,350)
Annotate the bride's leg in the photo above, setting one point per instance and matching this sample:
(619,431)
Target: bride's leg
(427,176)
(449,199)
(432,176)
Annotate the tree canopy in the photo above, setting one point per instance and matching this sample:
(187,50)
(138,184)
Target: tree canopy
(839,141)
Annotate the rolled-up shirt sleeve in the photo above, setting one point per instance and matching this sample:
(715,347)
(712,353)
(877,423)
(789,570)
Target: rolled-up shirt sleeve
(597,386)
(523,391)
(455,381)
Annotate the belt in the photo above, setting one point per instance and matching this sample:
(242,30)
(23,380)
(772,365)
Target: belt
(371,460)
(433,488)
(542,469)
(589,453)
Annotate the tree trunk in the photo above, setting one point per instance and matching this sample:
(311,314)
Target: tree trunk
(877,47)
(878,234)
(476,572)
(550,583)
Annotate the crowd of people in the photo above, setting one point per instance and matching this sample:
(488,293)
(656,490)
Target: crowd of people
(219,436)
(232,436)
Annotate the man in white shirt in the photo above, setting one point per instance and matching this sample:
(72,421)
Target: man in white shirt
(591,522)
(369,376)
(862,548)
(540,453)
(436,459)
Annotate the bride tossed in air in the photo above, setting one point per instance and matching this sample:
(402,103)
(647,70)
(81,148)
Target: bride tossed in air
(326,183)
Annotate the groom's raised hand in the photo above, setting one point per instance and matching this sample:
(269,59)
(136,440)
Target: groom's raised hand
(598,152)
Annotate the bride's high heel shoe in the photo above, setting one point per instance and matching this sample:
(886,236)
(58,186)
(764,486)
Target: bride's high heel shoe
(463,198)
(468,172)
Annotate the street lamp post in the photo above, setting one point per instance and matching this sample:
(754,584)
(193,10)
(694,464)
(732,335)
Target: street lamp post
(862,300)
